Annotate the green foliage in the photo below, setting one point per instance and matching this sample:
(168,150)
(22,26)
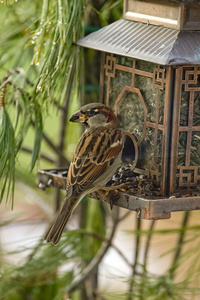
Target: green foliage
(107,11)
(41,47)
(38,136)
(153,287)
(15,118)
(95,223)
(17,20)
(54,53)
(40,275)
(7,153)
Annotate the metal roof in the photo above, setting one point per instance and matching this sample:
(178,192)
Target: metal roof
(152,43)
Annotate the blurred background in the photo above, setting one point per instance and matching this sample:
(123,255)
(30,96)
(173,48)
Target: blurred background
(103,254)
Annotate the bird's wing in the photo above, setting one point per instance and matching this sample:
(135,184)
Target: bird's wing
(94,154)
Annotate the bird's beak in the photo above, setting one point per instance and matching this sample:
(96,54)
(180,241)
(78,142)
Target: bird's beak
(78,117)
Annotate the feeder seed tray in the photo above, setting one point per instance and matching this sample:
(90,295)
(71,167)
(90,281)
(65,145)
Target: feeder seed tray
(148,205)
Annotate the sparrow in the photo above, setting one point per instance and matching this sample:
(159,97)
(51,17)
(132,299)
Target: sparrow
(96,159)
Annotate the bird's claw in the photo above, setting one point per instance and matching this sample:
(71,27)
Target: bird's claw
(113,190)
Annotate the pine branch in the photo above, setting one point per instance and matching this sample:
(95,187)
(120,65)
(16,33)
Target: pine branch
(103,239)
(136,254)
(179,246)
(146,250)
(90,268)
(147,246)
(64,115)
(42,155)
(53,147)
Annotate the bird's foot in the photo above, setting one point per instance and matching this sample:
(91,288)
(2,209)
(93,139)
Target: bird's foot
(114,187)
(113,191)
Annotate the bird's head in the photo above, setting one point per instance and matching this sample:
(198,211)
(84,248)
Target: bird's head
(95,115)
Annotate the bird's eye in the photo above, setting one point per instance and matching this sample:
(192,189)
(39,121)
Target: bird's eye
(91,113)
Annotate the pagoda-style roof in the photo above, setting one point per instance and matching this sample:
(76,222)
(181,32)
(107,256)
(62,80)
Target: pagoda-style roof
(152,43)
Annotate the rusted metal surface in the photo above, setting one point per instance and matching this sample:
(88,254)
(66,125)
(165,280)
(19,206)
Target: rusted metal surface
(52,178)
(146,207)
(146,42)
(185,153)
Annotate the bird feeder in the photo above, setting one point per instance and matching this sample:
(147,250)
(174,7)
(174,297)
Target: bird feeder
(150,77)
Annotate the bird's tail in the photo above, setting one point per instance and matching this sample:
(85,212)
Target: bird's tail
(54,233)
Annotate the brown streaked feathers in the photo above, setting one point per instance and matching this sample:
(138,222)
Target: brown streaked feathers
(96,158)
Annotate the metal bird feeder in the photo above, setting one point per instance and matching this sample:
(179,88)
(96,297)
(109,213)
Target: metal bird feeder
(150,77)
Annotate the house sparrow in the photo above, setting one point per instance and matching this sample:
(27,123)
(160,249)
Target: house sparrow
(96,159)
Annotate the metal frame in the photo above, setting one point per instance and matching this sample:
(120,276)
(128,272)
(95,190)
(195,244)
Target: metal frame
(187,175)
